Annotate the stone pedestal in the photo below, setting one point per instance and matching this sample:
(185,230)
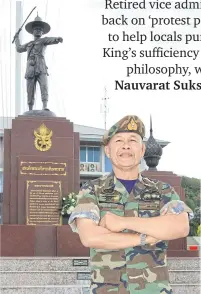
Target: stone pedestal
(41,164)
(23,240)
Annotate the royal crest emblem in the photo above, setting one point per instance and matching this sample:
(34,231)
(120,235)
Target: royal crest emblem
(43,136)
(132,125)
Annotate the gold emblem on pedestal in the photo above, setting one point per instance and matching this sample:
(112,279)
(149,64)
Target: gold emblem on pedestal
(43,136)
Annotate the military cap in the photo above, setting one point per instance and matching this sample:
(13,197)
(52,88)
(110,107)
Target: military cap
(129,123)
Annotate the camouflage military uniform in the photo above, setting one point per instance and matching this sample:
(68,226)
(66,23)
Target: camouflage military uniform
(139,269)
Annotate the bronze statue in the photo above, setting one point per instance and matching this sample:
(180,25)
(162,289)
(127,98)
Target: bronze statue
(36,70)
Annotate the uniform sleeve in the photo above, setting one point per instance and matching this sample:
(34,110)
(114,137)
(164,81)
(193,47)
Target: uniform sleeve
(171,201)
(87,206)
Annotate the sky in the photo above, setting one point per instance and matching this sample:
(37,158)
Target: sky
(78,74)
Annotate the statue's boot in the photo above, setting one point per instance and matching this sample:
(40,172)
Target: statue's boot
(30,107)
(44,105)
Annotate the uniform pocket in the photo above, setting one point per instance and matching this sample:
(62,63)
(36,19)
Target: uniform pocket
(117,209)
(105,276)
(147,275)
(108,206)
(135,276)
(149,209)
(159,273)
(105,281)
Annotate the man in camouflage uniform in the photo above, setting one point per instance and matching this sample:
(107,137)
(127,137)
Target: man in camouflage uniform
(127,219)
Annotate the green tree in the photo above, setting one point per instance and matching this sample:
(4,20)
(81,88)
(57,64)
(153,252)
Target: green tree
(191,203)
(195,222)
(191,187)
(199,231)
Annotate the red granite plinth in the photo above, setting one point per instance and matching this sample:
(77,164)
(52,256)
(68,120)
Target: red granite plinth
(68,243)
(182,253)
(38,152)
(23,240)
(17,240)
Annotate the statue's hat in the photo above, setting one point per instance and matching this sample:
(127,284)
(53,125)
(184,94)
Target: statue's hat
(37,22)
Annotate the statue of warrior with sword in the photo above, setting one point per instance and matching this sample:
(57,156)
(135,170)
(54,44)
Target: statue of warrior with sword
(36,70)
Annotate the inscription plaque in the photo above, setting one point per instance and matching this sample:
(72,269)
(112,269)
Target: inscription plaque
(43,168)
(42,203)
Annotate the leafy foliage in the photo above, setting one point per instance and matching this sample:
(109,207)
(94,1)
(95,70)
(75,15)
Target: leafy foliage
(68,204)
(199,231)
(192,192)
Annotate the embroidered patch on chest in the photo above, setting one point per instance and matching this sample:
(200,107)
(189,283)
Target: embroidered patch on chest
(149,206)
(114,198)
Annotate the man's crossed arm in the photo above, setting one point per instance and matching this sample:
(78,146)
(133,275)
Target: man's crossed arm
(164,227)
(96,236)
(108,234)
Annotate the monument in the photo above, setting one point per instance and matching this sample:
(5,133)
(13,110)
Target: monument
(41,164)
(36,69)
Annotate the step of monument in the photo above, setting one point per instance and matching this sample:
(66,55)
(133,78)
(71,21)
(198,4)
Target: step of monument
(186,289)
(36,278)
(184,263)
(62,264)
(184,277)
(44,264)
(45,290)
(44,278)
(177,289)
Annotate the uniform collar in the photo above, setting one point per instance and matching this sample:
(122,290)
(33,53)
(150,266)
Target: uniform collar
(112,183)
(141,186)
